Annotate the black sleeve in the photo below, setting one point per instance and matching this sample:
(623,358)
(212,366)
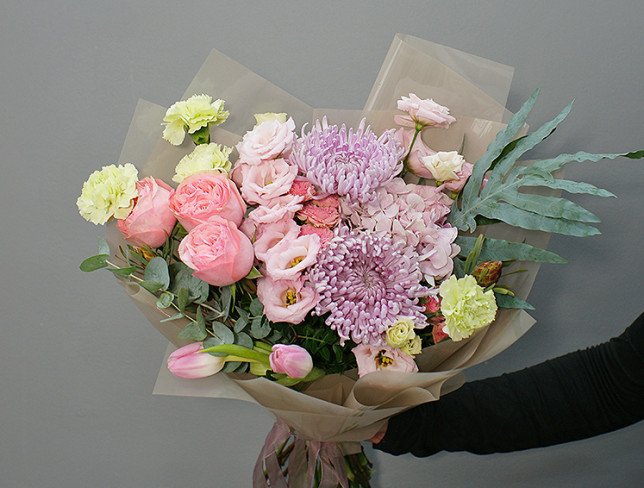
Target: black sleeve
(579,395)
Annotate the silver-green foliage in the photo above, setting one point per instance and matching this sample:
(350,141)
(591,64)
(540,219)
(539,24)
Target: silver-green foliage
(501,199)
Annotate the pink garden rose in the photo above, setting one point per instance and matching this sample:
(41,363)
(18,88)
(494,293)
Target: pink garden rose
(325,234)
(382,358)
(264,182)
(269,235)
(207,196)
(286,300)
(424,112)
(269,140)
(151,221)
(218,252)
(188,362)
(292,360)
(419,151)
(287,259)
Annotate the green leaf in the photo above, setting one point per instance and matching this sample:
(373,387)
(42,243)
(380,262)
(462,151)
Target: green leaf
(459,270)
(226,299)
(558,208)
(165,300)
(259,328)
(151,286)
(508,301)
(194,330)
(103,246)
(565,185)
(473,256)
(237,350)
(256,308)
(95,262)
(222,334)
(231,366)
(183,298)
(501,250)
(534,221)
(123,271)
(157,271)
(182,278)
(240,324)
(244,339)
(253,274)
(635,154)
(176,316)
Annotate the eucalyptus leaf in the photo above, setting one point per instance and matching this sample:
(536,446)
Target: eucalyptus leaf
(253,274)
(103,246)
(509,301)
(222,334)
(94,262)
(259,328)
(193,331)
(244,339)
(157,271)
(256,308)
(165,300)
(231,366)
(501,250)
(183,298)
(182,278)
(176,316)
(240,324)
(226,299)
(123,271)
(151,286)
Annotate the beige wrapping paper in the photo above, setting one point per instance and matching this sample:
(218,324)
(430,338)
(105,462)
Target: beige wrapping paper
(341,407)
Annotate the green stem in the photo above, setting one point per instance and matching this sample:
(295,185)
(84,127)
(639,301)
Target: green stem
(411,146)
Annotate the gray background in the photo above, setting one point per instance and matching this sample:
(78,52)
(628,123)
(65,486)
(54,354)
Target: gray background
(77,360)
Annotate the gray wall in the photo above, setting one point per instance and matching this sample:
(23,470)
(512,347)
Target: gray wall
(78,362)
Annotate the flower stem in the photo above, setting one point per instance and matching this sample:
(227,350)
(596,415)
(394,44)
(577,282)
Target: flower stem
(418,128)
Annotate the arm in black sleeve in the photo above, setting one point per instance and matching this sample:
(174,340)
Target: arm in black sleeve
(579,395)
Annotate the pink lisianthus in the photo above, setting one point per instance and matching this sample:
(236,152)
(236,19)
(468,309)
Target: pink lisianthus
(280,208)
(269,140)
(325,234)
(291,360)
(188,362)
(463,175)
(151,221)
(218,252)
(290,257)
(382,358)
(419,151)
(321,213)
(269,235)
(204,197)
(263,183)
(426,113)
(302,188)
(286,300)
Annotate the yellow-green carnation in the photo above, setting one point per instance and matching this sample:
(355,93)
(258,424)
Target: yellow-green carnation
(205,157)
(191,115)
(281,117)
(108,193)
(466,306)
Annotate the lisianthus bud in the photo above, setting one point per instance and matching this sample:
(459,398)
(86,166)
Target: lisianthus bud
(488,272)
(188,362)
(292,360)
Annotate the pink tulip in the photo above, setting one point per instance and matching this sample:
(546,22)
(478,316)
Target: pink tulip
(188,362)
(151,221)
(294,361)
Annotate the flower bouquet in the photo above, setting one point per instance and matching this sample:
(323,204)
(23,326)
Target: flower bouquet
(335,267)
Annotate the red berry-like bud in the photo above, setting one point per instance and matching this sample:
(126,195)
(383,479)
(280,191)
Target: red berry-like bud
(488,273)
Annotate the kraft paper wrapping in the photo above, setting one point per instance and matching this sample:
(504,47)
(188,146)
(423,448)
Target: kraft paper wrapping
(337,407)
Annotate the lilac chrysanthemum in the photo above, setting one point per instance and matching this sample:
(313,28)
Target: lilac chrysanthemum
(367,282)
(347,162)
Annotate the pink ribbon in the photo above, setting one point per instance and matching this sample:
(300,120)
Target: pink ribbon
(303,458)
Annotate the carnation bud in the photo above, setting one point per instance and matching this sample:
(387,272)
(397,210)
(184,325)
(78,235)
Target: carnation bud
(487,273)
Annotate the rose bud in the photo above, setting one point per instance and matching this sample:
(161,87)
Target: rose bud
(488,272)
(188,362)
(433,304)
(151,221)
(294,361)
(438,334)
(218,252)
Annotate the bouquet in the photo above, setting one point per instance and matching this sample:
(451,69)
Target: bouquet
(336,267)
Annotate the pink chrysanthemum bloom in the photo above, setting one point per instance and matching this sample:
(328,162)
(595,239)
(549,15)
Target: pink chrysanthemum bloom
(414,215)
(347,162)
(366,282)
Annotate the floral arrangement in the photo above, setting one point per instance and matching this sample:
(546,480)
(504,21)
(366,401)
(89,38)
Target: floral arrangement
(329,249)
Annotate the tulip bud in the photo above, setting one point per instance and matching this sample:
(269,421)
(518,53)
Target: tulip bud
(487,273)
(294,361)
(188,362)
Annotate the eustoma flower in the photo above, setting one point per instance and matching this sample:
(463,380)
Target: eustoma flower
(151,221)
(374,358)
(422,112)
(267,181)
(208,196)
(218,252)
(268,140)
(287,259)
(286,300)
